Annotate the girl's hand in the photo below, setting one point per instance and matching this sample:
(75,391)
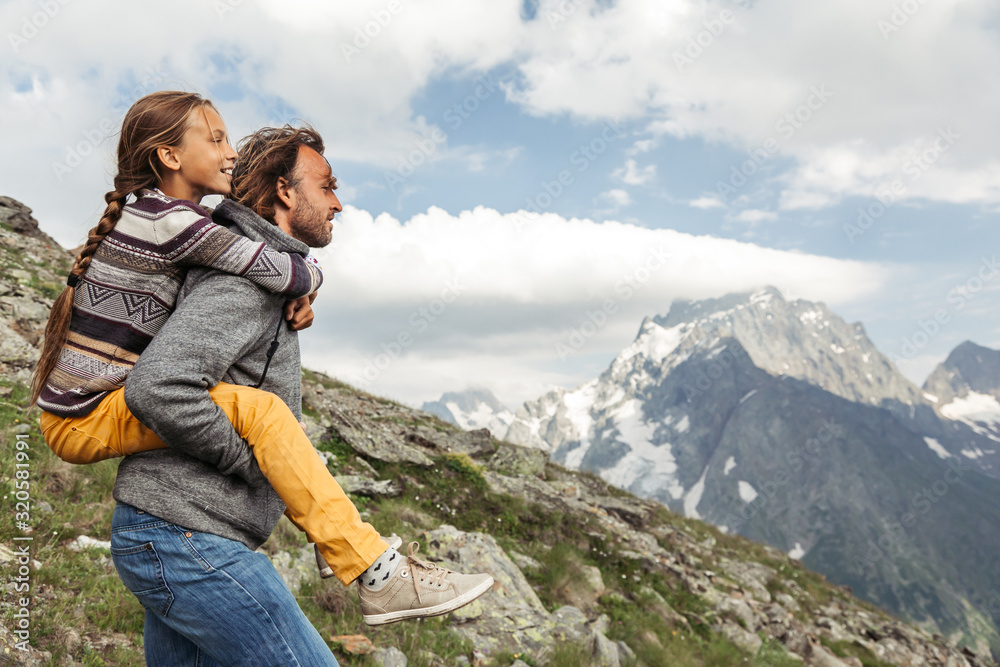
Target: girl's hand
(299,312)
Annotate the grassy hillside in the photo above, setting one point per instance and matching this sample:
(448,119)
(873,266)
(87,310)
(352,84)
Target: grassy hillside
(586,574)
(665,612)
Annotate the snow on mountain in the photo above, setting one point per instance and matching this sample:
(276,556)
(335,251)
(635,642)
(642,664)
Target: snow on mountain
(610,418)
(966,388)
(472,409)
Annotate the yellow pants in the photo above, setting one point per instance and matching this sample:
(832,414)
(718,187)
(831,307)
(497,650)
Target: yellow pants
(316,503)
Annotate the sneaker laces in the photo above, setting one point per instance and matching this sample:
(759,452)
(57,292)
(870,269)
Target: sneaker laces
(429,573)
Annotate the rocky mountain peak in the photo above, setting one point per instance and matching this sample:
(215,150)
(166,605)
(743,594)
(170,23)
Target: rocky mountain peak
(18,217)
(472,409)
(966,387)
(798,338)
(969,368)
(684,310)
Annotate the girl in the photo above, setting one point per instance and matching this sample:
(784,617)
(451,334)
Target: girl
(172,152)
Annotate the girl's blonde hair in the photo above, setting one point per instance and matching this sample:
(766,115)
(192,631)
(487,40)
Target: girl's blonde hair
(158,119)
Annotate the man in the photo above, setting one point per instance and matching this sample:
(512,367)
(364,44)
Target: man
(189,516)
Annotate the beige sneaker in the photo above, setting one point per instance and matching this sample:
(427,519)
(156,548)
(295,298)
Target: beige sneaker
(419,589)
(325,571)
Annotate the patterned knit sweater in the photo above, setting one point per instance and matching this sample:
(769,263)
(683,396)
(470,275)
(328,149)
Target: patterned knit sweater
(131,286)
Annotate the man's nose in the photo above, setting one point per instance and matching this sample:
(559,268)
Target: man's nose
(335,204)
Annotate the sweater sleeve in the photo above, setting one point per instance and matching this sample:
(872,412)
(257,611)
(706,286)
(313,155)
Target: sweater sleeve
(195,240)
(216,324)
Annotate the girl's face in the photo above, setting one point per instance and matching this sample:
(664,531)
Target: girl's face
(205,156)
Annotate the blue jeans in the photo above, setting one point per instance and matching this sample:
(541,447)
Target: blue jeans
(209,601)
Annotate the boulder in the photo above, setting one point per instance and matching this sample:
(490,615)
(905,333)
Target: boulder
(295,566)
(510,459)
(363,486)
(746,640)
(389,657)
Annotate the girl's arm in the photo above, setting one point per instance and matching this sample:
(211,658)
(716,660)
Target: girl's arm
(203,243)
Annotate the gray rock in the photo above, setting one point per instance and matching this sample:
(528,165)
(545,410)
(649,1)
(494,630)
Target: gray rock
(752,576)
(737,608)
(476,443)
(510,459)
(605,652)
(820,657)
(570,624)
(30,658)
(18,216)
(296,567)
(524,562)
(510,617)
(625,653)
(746,640)
(362,486)
(366,468)
(381,446)
(389,657)
(787,601)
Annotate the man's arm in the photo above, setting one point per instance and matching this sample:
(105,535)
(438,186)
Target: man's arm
(215,324)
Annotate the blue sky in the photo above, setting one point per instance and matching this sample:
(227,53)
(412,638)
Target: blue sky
(741,138)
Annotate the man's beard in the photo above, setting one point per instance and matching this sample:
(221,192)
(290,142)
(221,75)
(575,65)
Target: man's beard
(309,225)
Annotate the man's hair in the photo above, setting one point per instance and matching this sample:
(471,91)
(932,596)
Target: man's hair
(266,156)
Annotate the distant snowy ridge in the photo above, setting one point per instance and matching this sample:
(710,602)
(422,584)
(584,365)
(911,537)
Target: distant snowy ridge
(472,409)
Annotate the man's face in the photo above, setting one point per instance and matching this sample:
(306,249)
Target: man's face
(315,202)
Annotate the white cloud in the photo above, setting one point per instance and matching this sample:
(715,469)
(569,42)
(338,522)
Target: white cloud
(881,97)
(706,203)
(641,146)
(485,297)
(274,60)
(617,197)
(268,60)
(631,174)
(752,216)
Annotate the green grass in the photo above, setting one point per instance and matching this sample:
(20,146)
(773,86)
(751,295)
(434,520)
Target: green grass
(85,592)
(844,649)
(335,611)
(70,589)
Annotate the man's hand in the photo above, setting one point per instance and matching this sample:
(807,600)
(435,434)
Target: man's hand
(299,312)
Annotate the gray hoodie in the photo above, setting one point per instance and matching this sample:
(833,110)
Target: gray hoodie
(207,479)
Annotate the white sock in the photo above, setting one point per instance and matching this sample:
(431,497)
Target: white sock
(378,573)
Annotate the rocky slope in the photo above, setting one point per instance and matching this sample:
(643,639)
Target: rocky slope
(586,574)
(33,269)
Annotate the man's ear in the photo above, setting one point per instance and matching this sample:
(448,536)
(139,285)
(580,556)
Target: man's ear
(285,192)
(169,157)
